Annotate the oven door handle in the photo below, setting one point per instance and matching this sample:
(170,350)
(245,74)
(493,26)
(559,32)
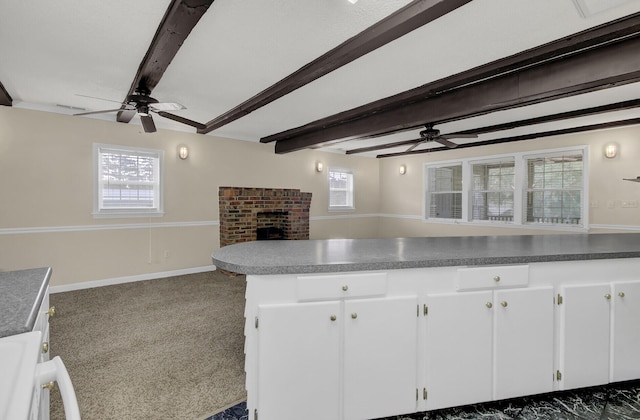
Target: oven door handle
(55,370)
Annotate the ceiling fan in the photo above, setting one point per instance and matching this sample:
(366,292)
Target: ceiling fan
(431,134)
(143,105)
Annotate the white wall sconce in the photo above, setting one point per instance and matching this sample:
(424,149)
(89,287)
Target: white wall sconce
(319,166)
(403,169)
(183,152)
(611,150)
(352,1)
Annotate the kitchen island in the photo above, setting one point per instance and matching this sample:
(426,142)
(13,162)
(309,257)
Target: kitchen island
(361,329)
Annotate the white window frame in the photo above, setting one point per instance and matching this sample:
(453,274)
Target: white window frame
(492,162)
(525,189)
(520,188)
(350,206)
(102,211)
(428,193)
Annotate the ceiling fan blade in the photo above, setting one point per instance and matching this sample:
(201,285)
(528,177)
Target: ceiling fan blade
(101,99)
(148,124)
(125,115)
(459,136)
(445,142)
(98,112)
(182,120)
(166,106)
(413,146)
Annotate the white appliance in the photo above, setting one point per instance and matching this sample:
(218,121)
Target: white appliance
(23,376)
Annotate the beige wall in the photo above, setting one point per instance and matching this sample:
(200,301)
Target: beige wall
(46,183)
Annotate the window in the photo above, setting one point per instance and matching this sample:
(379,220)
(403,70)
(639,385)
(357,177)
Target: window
(546,189)
(554,189)
(127,181)
(340,189)
(444,192)
(492,190)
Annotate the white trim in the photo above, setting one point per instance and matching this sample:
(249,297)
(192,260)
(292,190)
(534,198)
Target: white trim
(62,229)
(108,212)
(351,190)
(520,159)
(402,216)
(59,229)
(129,279)
(615,227)
(342,216)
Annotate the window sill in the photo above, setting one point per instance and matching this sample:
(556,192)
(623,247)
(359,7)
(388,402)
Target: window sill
(126,214)
(511,225)
(346,208)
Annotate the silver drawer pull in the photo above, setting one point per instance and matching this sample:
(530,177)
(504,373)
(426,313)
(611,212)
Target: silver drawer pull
(345,287)
(496,279)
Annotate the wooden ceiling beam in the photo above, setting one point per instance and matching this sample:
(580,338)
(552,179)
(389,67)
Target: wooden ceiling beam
(5,98)
(382,115)
(412,16)
(531,136)
(181,17)
(618,106)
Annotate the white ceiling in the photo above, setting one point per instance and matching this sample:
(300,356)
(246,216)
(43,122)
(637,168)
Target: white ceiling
(53,51)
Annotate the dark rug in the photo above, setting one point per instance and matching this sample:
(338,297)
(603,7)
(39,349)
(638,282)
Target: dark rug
(611,402)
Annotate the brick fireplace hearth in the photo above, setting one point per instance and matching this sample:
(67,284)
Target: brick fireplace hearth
(277,213)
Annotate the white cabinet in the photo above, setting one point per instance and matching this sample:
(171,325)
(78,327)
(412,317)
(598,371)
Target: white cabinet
(349,346)
(380,357)
(523,342)
(488,345)
(353,359)
(584,335)
(459,341)
(298,360)
(625,334)
(42,325)
(599,338)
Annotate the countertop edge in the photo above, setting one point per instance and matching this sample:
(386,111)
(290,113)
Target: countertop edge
(399,265)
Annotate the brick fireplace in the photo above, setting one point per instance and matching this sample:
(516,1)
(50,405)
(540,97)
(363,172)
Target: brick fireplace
(250,214)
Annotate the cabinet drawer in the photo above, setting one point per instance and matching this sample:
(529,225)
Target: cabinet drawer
(341,286)
(493,277)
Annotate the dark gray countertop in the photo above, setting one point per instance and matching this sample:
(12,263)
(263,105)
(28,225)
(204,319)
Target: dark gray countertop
(21,293)
(336,255)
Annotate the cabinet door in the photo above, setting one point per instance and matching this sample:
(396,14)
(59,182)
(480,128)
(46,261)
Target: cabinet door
(523,342)
(459,348)
(299,361)
(584,335)
(625,362)
(380,357)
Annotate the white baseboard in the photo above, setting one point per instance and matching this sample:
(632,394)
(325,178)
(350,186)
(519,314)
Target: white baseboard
(129,279)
